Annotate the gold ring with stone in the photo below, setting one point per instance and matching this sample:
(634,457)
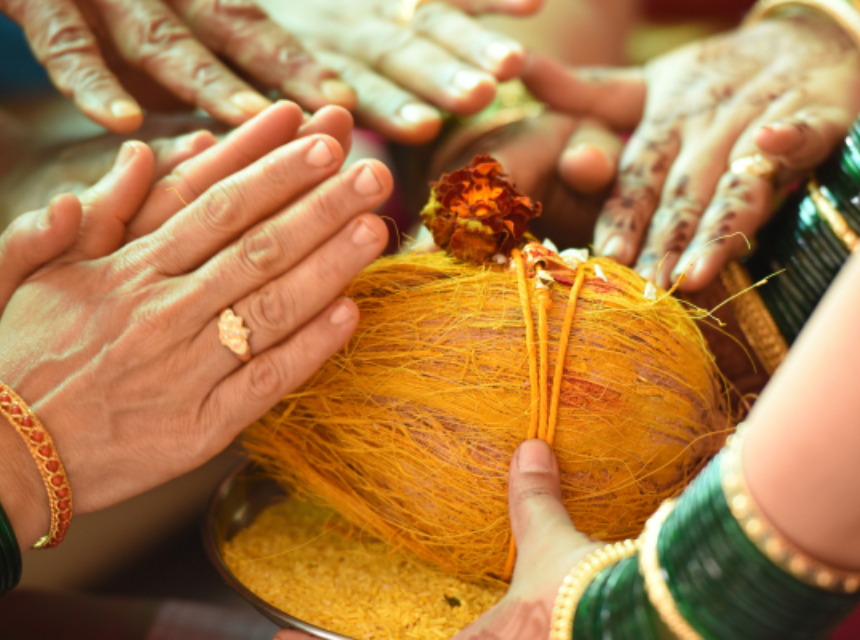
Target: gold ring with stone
(756,164)
(233,335)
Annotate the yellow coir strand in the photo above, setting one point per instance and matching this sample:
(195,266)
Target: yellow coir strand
(409,431)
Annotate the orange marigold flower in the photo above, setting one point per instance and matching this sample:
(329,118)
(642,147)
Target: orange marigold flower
(475,213)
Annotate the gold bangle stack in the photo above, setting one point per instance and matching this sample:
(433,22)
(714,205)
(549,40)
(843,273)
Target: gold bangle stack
(576,583)
(753,317)
(766,537)
(842,12)
(44,452)
(655,584)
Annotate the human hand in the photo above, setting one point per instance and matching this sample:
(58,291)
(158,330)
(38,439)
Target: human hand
(548,546)
(571,191)
(109,54)
(41,173)
(442,57)
(120,355)
(784,88)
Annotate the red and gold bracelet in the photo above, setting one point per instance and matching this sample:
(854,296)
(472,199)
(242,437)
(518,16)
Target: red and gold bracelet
(44,452)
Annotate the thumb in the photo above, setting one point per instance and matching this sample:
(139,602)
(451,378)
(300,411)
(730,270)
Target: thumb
(34,239)
(615,96)
(546,538)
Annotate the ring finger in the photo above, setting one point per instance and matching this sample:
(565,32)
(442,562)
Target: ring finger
(279,308)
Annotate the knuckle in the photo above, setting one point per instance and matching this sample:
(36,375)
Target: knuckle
(238,8)
(536,493)
(272,310)
(68,39)
(292,58)
(205,72)
(260,252)
(156,33)
(89,78)
(326,214)
(267,379)
(217,210)
(397,42)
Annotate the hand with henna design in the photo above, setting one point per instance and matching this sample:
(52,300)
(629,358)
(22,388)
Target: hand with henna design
(784,89)
(112,56)
(167,53)
(404,70)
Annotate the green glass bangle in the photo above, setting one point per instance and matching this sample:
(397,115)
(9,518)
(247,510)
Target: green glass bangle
(588,610)
(10,555)
(616,606)
(725,587)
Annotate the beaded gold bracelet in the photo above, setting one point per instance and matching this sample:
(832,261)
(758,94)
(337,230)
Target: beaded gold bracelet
(753,317)
(655,582)
(44,452)
(577,581)
(766,537)
(833,217)
(842,12)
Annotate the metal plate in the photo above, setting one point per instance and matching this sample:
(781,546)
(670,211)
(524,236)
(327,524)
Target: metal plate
(242,495)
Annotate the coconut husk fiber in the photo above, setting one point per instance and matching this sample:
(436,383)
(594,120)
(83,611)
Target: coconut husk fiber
(409,431)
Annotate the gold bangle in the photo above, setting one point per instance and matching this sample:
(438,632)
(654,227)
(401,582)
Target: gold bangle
(44,452)
(754,318)
(833,217)
(578,580)
(655,584)
(765,536)
(845,14)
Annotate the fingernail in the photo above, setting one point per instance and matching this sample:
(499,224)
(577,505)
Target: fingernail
(535,456)
(126,152)
(367,183)
(341,315)
(319,155)
(338,92)
(363,235)
(467,81)
(124,109)
(497,52)
(47,217)
(615,248)
(250,102)
(779,126)
(415,113)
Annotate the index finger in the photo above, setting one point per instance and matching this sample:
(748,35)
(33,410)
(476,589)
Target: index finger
(64,44)
(149,36)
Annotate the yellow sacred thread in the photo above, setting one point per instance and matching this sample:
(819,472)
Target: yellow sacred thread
(547,423)
(564,338)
